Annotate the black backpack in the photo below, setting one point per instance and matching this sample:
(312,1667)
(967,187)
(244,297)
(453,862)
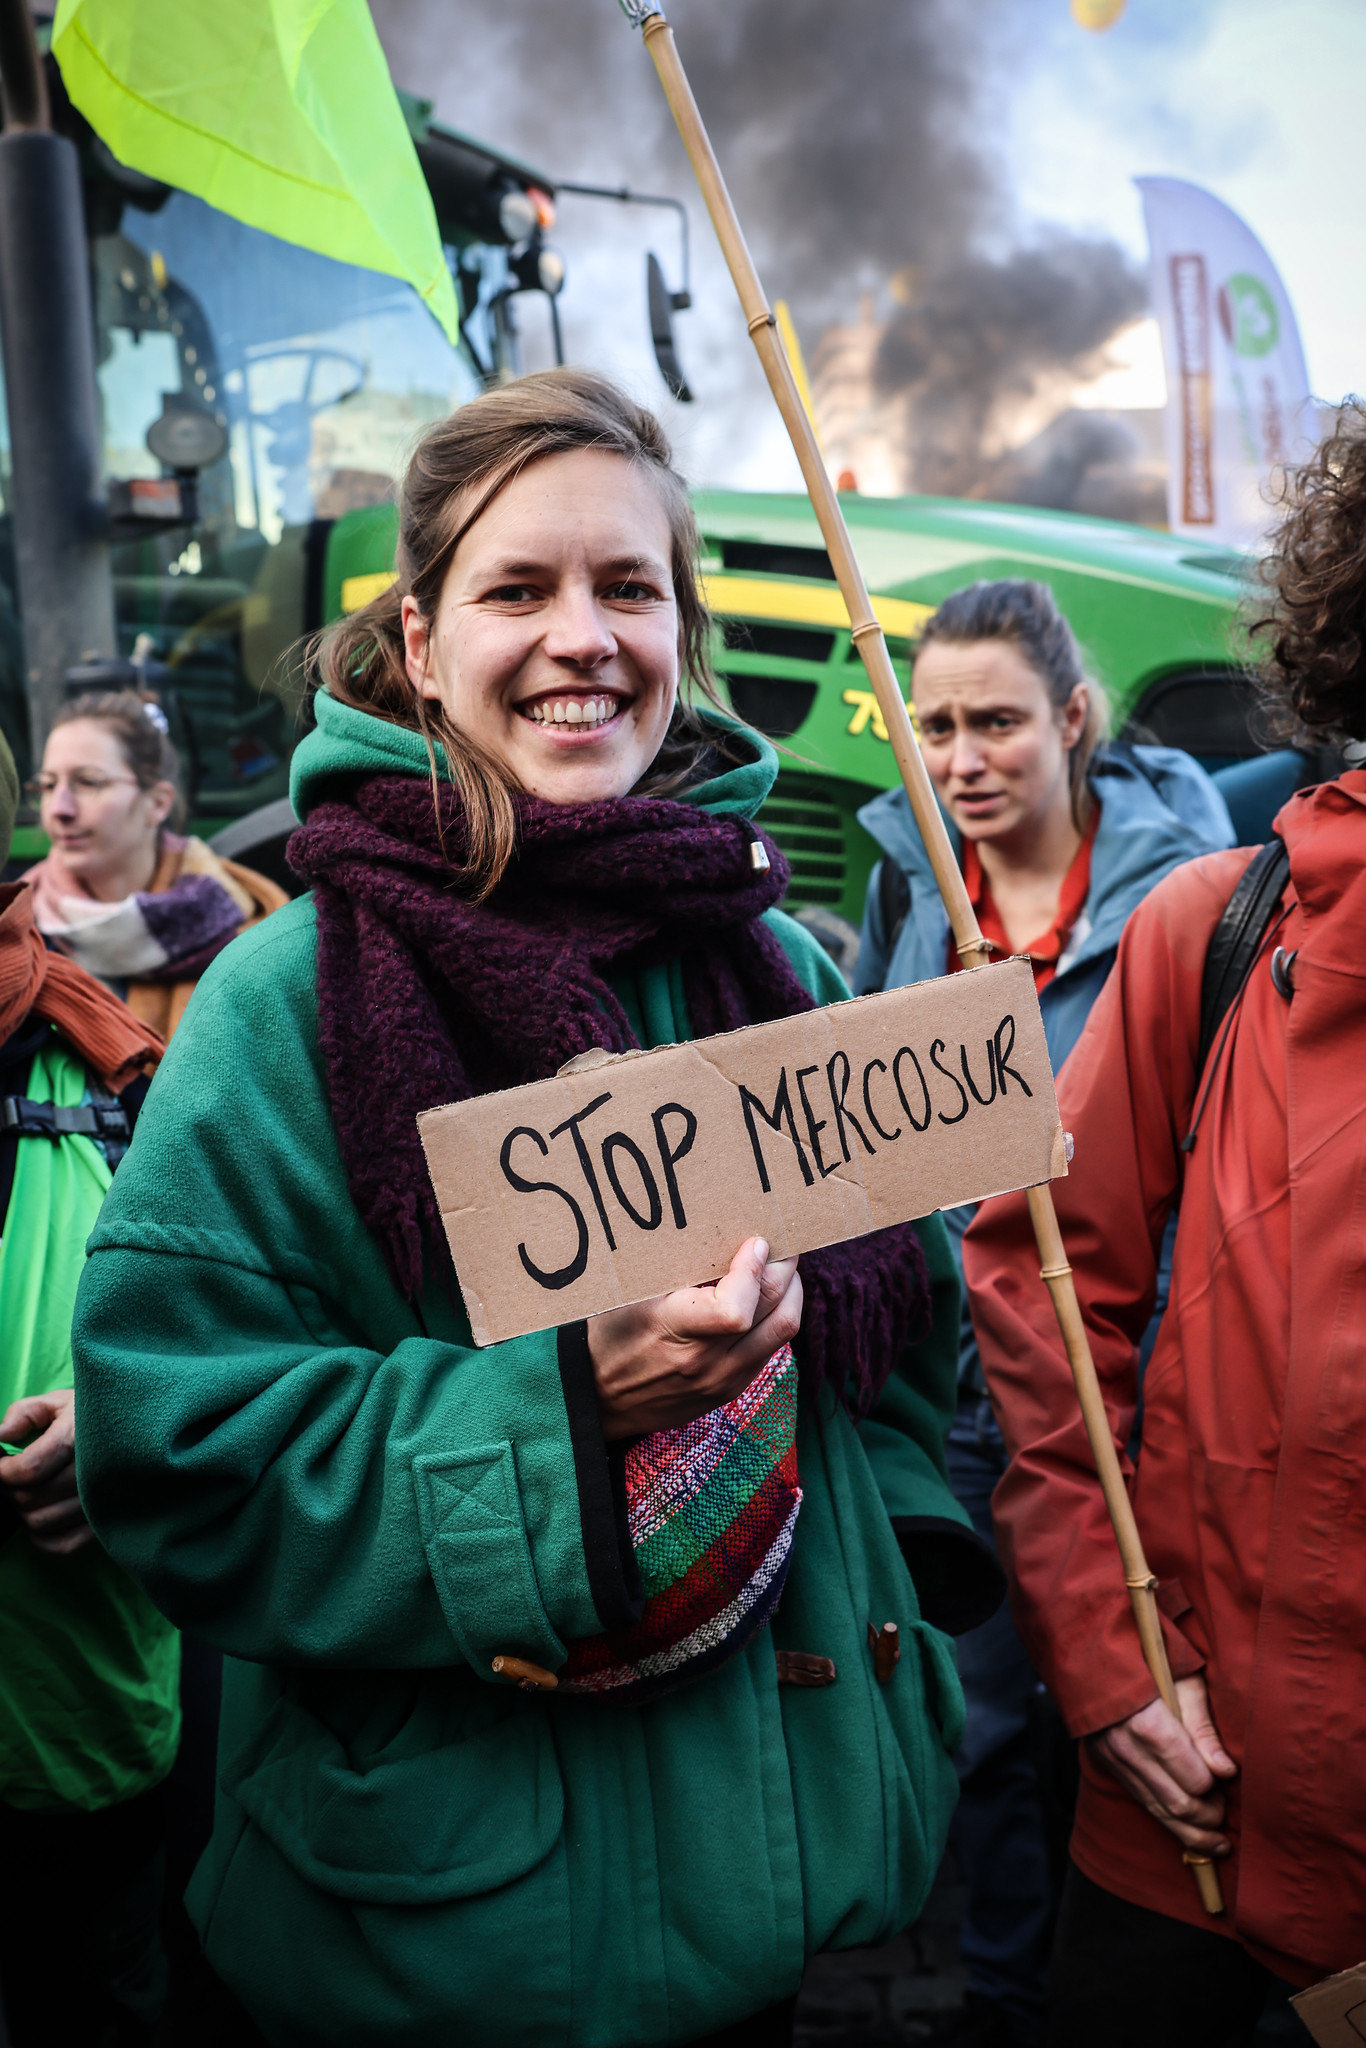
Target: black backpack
(1234,946)
(1237,938)
(893,900)
(108,1117)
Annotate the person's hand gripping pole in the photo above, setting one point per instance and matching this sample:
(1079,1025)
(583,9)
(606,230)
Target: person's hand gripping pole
(972,947)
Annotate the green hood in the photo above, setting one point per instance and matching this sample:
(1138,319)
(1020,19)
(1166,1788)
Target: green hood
(347,742)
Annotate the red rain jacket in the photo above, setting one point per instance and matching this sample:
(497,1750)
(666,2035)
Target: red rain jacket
(1250,1489)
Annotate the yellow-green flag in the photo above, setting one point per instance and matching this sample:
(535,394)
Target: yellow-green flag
(279,112)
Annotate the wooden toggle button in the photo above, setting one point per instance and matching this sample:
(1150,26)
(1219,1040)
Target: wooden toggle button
(885,1644)
(531,1677)
(800,1667)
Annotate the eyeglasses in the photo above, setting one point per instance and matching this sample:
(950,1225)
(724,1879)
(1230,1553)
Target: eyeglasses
(84,782)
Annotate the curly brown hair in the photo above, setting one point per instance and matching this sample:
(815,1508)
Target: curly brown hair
(1313,626)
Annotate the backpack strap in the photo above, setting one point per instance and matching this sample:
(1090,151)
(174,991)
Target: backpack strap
(893,900)
(110,1119)
(1238,936)
(104,1120)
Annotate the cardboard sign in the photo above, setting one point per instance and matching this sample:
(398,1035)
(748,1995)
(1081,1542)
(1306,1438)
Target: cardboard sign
(625,1177)
(1335,2011)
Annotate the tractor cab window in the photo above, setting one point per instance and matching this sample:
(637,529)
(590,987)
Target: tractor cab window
(321,376)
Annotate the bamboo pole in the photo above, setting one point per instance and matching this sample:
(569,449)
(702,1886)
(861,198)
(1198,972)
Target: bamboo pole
(1138,1578)
(972,948)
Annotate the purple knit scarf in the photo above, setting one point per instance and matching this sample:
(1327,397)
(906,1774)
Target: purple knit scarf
(424,998)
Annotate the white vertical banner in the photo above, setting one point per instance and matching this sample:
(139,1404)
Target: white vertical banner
(1238,404)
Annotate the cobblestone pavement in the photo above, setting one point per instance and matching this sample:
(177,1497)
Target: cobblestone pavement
(885,1997)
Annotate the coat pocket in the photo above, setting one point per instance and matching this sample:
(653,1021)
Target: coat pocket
(939,1674)
(470,1512)
(458,1819)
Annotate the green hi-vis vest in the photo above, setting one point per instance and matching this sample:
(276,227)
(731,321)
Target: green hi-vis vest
(89,1671)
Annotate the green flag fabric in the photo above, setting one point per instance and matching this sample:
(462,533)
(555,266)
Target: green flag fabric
(279,112)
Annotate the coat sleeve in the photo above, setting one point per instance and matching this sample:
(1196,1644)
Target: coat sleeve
(269,1438)
(1126,1094)
(811,963)
(957,1579)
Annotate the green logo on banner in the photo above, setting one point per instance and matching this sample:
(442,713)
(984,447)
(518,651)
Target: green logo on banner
(1247,314)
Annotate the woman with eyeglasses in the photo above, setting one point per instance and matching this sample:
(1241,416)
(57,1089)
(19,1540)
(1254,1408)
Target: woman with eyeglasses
(121,892)
(89,1670)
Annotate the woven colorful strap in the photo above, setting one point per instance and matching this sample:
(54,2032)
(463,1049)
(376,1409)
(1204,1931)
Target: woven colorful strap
(712,1510)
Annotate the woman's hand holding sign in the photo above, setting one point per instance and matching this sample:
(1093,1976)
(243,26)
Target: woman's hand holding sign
(659,1364)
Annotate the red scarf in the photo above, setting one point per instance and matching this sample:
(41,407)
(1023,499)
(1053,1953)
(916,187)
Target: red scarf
(1048,948)
(107,1036)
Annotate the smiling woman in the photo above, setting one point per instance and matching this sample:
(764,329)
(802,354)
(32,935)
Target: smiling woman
(434,1565)
(555,644)
(538,593)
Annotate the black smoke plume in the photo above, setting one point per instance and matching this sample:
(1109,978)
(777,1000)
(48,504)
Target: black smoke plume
(856,137)
(979,336)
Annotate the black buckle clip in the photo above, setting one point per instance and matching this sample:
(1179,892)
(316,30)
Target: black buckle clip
(1282,967)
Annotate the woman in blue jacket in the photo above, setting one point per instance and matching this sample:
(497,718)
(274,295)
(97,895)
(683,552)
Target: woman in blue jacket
(1060,837)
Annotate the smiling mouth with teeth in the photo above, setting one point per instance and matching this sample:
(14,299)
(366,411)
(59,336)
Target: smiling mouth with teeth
(571,710)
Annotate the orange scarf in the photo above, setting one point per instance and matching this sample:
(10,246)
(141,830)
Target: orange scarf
(106,1034)
(1045,951)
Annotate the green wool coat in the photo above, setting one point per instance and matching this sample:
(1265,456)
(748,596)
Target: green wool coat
(362,1510)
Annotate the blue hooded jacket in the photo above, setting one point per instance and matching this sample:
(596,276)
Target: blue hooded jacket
(1158,808)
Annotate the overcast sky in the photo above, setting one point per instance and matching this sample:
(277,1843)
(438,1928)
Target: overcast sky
(1259,100)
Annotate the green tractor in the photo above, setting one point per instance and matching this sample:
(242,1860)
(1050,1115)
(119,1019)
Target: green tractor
(1158,617)
(254,403)
(245,398)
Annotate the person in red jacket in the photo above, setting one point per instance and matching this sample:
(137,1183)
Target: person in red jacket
(1250,1486)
